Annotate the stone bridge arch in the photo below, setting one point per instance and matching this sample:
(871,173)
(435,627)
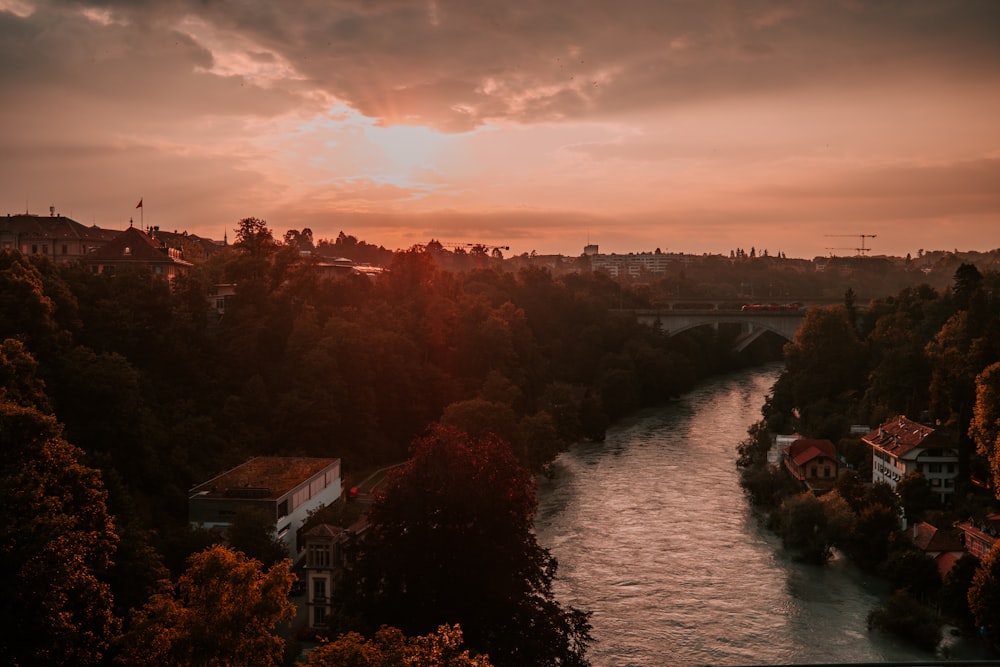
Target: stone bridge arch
(753,323)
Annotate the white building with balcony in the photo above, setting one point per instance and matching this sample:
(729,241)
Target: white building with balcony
(901,446)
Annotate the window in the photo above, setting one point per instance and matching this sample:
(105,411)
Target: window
(283,508)
(319,589)
(34,249)
(128,251)
(319,615)
(65,250)
(318,555)
(826,471)
(45,248)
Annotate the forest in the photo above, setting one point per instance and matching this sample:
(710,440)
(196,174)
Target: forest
(119,393)
(927,354)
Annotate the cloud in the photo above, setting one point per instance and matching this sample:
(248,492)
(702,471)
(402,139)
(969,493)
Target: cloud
(902,190)
(655,112)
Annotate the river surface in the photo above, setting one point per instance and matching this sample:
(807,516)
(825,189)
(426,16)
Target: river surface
(653,535)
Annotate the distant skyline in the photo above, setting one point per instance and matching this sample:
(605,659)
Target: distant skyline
(694,127)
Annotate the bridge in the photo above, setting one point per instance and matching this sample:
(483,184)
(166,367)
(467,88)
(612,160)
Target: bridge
(754,321)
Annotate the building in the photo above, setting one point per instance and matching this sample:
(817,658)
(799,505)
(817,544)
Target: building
(980,536)
(632,264)
(943,546)
(901,446)
(55,236)
(220,297)
(812,462)
(324,546)
(287,488)
(136,250)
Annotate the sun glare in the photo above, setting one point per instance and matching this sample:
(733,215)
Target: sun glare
(406,150)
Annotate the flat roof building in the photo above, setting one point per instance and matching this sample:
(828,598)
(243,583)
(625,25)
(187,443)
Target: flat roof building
(285,487)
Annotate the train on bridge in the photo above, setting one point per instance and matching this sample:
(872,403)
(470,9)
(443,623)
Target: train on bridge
(771,306)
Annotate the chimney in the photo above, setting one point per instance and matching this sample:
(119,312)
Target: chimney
(52,211)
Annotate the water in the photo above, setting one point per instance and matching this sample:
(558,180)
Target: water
(654,536)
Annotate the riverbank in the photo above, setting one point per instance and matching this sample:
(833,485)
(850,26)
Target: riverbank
(654,535)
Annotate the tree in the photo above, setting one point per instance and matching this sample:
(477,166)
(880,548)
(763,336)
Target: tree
(26,312)
(752,451)
(390,647)
(967,280)
(254,237)
(914,570)
(870,543)
(916,496)
(850,307)
(825,358)
(954,596)
(57,536)
(903,615)
(985,426)
(256,244)
(451,541)
(253,533)
(803,527)
(222,612)
(984,595)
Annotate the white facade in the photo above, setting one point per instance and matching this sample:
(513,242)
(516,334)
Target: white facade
(901,446)
(287,488)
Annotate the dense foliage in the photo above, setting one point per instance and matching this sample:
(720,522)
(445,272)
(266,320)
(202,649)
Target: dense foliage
(118,393)
(158,389)
(390,648)
(928,354)
(451,541)
(224,610)
(58,538)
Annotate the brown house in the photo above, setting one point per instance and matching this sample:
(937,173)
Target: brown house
(980,536)
(136,250)
(55,236)
(944,546)
(813,462)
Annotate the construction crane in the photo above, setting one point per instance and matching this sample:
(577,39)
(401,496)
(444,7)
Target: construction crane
(862,250)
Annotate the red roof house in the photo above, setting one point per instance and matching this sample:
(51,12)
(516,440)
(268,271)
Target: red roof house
(813,462)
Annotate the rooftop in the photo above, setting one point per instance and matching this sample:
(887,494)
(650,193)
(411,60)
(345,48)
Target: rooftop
(900,435)
(263,477)
(804,450)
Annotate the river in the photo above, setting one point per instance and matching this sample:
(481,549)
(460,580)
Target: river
(653,534)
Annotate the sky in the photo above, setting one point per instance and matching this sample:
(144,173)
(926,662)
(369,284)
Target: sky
(695,126)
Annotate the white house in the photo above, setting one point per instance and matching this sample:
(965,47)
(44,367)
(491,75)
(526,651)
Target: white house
(901,446)
(288,488)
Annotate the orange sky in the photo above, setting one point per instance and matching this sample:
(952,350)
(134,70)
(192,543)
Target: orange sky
(686,126)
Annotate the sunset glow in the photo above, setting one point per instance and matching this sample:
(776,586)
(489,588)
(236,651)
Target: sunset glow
(690,127)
